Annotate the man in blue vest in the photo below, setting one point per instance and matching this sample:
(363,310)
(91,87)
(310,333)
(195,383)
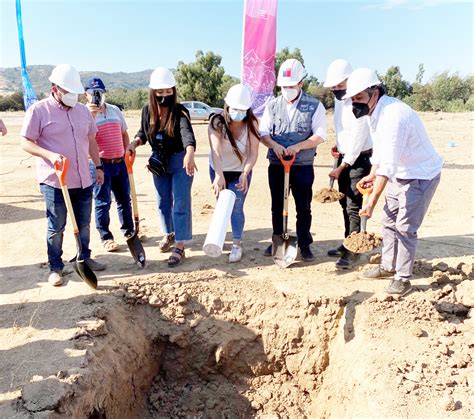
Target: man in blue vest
(293,124)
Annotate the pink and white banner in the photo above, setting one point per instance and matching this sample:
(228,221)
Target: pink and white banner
(259,46)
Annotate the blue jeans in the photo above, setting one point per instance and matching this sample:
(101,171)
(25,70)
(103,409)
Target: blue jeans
(173,194)
(116,182)
(56,214)
(237,218)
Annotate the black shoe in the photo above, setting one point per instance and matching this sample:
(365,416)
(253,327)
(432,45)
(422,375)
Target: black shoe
(268,251)
(306,254)
(347,260)
(337,252)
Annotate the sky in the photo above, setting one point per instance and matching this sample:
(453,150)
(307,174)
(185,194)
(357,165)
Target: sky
(126,35)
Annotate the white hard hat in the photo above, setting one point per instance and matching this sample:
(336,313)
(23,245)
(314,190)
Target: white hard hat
(291,72)
(239,96)
(162,78)
(67,77)
(359,80)
(338,71)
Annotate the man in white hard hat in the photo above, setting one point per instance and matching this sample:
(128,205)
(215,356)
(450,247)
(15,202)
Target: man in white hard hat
(293,124)
(353,151)
(406,163)
(55,128)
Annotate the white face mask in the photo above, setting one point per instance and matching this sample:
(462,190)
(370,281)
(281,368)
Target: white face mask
(290,93)
(69,99)
(237,115)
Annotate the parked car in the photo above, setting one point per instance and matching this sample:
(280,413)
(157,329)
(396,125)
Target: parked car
(200,110)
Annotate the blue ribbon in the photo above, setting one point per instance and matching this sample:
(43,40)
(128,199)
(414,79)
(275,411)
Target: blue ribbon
(29,95)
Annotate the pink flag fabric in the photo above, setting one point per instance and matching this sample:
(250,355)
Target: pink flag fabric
(259,46)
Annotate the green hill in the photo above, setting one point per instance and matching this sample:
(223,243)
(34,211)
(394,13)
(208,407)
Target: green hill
(10,79)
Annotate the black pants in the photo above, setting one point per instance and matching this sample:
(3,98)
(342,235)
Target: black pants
(352,202)
(301,184)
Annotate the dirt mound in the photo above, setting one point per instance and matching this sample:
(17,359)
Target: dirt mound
(362,242)
(328,195)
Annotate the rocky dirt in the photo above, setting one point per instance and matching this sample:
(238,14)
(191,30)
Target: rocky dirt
(362,242)
(210,339)
(328,195)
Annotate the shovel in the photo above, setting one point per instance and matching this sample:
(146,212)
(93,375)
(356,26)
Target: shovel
(284,246)
(134,244)
(362,242)
(365,196)
(78,264)
(329,195)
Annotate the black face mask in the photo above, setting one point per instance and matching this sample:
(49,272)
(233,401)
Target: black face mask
(165,101)
(339,93)
(360,109)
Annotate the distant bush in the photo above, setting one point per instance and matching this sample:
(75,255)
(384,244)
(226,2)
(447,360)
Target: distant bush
(205,80)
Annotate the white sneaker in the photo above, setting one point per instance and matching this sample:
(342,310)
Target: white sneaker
(55,279)
(235,254)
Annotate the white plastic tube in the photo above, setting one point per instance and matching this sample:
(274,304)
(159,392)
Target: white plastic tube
(219,223)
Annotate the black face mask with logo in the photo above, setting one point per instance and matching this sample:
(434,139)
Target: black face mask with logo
(360,109)
(165,101)
(339,94)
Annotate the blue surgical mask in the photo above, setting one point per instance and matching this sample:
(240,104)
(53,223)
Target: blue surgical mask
(237,115)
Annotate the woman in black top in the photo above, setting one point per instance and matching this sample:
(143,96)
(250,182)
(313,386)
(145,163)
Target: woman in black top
(165,124)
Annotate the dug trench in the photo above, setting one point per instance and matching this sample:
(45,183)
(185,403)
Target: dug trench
(211,345)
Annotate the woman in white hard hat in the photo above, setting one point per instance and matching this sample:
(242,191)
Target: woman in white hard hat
(234,140)
(406,163)
(165,124)
(353,150)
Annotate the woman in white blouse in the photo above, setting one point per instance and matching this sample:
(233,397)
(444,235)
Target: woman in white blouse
(234,140)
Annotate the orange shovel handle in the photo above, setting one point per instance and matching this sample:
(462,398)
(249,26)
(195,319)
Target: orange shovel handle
(365,191)
(287,163)
(61,170)
(129,160)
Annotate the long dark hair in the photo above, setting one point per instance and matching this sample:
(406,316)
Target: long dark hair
(154,110)
(220,122)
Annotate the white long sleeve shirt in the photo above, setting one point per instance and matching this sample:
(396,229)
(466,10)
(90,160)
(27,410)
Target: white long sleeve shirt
(318,121)
(402,148)
(352,134)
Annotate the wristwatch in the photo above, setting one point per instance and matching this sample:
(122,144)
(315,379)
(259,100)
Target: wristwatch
(100,167)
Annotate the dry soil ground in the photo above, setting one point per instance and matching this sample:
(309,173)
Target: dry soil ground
(210,339)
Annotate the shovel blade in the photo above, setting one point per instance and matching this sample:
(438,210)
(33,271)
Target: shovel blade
(284,250)
(85,273)
(136,249)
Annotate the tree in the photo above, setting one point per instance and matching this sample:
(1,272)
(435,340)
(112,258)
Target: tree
(202,79)
(395,84)
(420,74)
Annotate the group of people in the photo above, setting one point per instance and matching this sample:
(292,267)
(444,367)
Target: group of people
(380,142)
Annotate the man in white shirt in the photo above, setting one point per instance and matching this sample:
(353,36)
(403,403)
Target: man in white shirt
(405,162)
(293,124)
(353,150)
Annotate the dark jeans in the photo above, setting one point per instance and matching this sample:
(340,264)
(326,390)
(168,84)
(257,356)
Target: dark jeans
(352,201)
(116,182)
(301,183)
(56,214)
